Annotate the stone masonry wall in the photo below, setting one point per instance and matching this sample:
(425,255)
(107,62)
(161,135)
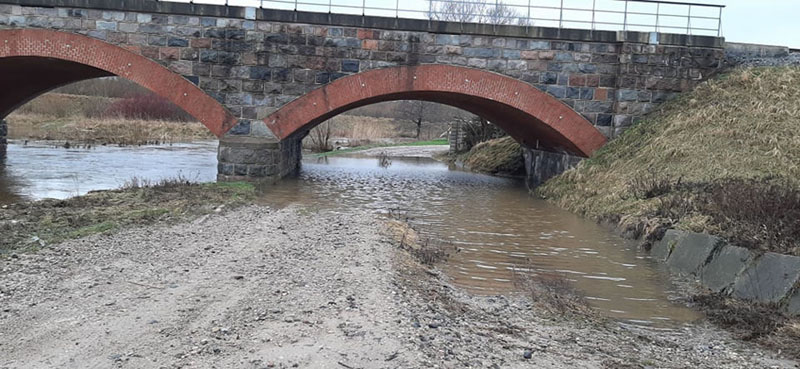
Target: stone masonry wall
(254,66)
(3,135)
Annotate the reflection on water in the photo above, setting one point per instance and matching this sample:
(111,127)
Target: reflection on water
(40,170)
(498,227)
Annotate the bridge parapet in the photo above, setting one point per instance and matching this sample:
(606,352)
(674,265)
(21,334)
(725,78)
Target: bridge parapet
(255,61)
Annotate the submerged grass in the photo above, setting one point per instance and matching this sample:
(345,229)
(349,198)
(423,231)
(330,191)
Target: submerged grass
(27,226)
(673,169)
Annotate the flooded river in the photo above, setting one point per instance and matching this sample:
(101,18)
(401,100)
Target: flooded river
(497,227)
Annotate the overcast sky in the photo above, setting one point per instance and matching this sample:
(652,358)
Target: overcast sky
(774,22)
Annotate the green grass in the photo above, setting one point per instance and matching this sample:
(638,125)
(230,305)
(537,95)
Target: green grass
(441,141)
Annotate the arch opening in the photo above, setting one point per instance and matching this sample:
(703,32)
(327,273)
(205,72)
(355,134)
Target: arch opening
(530,116)
(36,61)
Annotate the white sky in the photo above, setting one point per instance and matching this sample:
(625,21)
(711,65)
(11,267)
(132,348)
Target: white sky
(774,22)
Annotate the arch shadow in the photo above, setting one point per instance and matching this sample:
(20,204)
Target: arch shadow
(532,117)
(35,61)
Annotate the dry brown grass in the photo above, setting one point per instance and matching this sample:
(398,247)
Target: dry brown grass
(497,156)
(61,105)
(363,130)
(739,126)
(554,294)
(100,131)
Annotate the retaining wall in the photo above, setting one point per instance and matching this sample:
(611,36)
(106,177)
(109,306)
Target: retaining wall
(732,270)
(3,134)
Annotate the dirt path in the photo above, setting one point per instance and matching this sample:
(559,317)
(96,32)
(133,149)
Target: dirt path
(261,288)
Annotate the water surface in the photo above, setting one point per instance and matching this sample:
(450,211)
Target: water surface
(501,232)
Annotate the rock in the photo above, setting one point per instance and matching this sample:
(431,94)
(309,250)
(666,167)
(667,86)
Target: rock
(692,251)
(527,354)
(662,249)
(725,265)
(793,307)
(769,278)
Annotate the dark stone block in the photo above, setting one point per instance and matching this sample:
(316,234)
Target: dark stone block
(178,42)
(260,73)
(322,78)
(213,33)
(604,120)
(549,78)
(234,34)
(242,128)
(350,66)
(282,75)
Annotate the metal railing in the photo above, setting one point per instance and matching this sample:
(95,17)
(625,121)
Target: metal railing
(634,15)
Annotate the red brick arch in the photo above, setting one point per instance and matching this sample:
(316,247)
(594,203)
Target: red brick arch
(35,61)
(532,117)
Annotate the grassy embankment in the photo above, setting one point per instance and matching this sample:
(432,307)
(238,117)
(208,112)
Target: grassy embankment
(100,120)
(722,159)
(28,226)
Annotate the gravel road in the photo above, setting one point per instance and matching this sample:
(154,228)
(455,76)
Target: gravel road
(260,288)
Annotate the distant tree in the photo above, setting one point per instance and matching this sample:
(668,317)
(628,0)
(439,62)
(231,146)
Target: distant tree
(417,114)
(477,11)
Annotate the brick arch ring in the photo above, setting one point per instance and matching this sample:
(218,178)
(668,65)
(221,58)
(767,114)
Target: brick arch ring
(531,116)
(35,61)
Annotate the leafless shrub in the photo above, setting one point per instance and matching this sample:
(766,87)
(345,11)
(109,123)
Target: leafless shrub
(651,185)
(553,293)
(758,214)
(427,249)
(147,107)
(384,161)
(320,137)
(477,130)
(136,182)
(474,11)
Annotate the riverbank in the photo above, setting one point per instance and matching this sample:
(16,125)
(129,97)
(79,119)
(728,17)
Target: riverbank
(81,130)
(721,160)
(29,226)
(500,156)
(235,289)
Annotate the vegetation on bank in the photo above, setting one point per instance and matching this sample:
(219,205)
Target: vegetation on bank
(722,159)
(499,156)
(96,120)
(30,225)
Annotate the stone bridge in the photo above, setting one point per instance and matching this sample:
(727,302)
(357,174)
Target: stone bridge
(260,79)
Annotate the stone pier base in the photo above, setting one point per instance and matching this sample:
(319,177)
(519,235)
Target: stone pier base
(3,134)
(543,165)
(245,158)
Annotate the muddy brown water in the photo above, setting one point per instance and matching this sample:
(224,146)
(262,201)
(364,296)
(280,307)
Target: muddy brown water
(500,231)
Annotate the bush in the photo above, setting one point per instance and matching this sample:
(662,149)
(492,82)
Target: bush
(147,107)
(477,130)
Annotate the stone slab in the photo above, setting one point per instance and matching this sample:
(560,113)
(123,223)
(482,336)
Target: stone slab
(691,252)
(770,278)
(721,272)
(793,307)
(663,248)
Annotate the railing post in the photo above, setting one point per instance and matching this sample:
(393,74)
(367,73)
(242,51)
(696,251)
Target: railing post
(625,20)
(561,15)
(689,21)
(528,20)
(397,9)
(658,11)
(594,8)
(719,23)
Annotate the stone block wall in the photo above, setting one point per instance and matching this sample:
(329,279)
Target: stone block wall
(543,165)
(253,61)
(3,135)
(732,270)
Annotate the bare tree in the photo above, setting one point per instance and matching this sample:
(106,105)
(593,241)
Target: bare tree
(417,114)
(477,11)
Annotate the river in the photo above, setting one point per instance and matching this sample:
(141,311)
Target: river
(499,231)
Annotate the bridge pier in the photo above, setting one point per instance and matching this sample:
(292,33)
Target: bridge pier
(543,165)
(248,158)
(3,142)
